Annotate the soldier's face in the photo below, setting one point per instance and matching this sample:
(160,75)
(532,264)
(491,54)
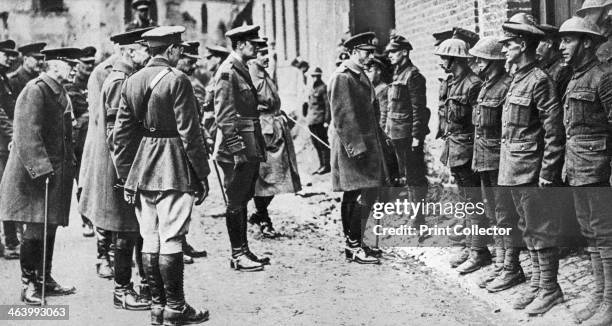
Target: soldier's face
(512,50)
(175,54)
(570,48)
(482,64)
(32,64)
(544,49)
(364,56)
(143,14)
(140,55)
(396,56)
(263,59)
(249,50)
(4,60)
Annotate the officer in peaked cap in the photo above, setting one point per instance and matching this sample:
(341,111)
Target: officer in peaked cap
(30,68)
(8,95)
(407,120)
(531,110)
(587,102)
(239,147)
(357,162)
(216,55)
(168,171)
(115,221)
(442,36)
(43,155)
(142,20)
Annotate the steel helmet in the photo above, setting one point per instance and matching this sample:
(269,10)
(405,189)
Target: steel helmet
(592,4)
(582,26)
(488,48)
(453,48)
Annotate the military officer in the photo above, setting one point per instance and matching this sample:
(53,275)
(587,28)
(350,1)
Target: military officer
(107,210)
(188,65)
(7,105)
(357,162)
(32,64)
(407,120)
(456,128)
(485,161)
(531,157)
(279,173)
(159,151)
(41,162)
(216,55)
(587,105)
(550,60)
(318,117)
(142,20)
(375,70)
(239,146)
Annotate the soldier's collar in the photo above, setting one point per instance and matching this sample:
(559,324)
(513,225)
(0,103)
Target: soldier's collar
(55,86)
(523,71)
(158,61)
(585,67)
(403,67)
(352,66)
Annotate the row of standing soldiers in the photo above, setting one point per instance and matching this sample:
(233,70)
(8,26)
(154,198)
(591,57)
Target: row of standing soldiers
(508,137)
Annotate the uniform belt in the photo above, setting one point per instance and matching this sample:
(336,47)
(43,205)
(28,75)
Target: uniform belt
(153,133)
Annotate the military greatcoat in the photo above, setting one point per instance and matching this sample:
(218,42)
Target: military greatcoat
(355,131)
(105,205)
(279,174)
(42,145)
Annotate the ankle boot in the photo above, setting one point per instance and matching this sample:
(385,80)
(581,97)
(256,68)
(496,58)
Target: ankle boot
(460,258)
(29,257)
(511,275)
(477,260)
(150,264)
(177,311)
(597,297)
(124,297)
(355,253)
(550,293)
(604,314)
(529,295)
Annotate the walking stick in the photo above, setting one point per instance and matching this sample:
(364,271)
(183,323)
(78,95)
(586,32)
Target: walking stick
(220,183)
(44,260)
(308,130)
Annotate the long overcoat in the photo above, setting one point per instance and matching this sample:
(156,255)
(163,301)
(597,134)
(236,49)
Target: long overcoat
(105,206)
(355,131)
(94,88)
(279,174)
(42,144)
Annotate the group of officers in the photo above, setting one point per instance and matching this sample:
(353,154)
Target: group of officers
(534,114)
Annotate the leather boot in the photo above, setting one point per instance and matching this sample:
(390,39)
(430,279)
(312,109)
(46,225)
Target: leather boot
(511,274)
(52,288)
(177,311)
(478,259)
(550,293)
(245,241)
(460,258)
(597,297)
(529,295)
(355,253)
(326,163)
(30,256)
(240,261)
(103,242)
(346,211)
(603,317)
(156,286)
(124,297)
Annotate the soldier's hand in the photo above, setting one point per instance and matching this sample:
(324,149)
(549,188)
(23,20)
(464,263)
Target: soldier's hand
(129,196)
(240,159)
(544,183)
(415,143)
(201,195)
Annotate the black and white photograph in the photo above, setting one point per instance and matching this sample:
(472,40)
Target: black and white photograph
(306,162)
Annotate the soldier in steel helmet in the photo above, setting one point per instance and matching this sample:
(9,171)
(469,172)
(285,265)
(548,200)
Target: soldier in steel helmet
(587,103)
(487,124)
(457,131)
(530,157)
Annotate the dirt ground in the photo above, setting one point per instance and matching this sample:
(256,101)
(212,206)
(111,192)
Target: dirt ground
(308,283)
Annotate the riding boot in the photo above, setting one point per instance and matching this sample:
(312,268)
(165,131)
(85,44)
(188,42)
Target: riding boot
(326,162)
(245,242)
(354,251)
(603,317)
(346,211)
(177,311)
(150,263)
(239,260)
(30,256)
(52,287)
(597,297)
(529,295)
(124,296)
(103,241)
(550,293)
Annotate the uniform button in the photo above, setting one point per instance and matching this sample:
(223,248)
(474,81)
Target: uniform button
(477,136)
(591,148)
(568,136)
(509,93)
(478,111)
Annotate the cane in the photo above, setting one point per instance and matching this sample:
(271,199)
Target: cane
(44,260)
(220,183)
(308,130)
